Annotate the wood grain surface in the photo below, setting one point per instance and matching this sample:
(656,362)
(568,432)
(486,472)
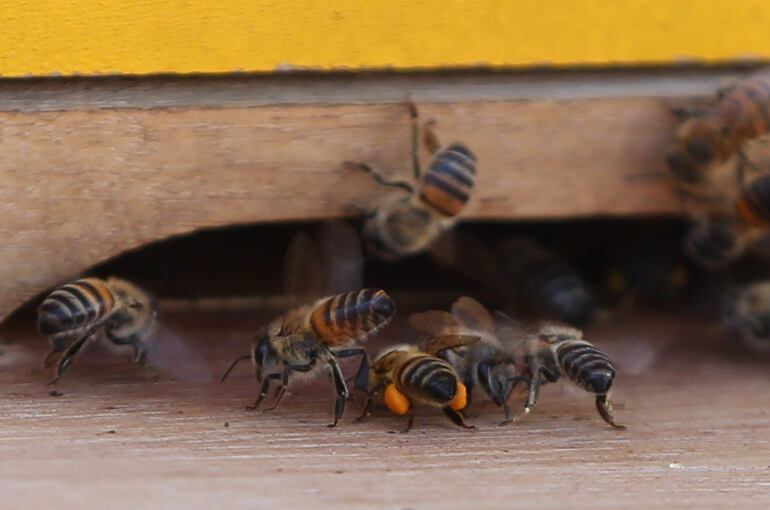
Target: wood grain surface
(80,186)
(696,406)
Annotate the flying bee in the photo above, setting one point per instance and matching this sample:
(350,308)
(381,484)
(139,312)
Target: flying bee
(747,315)
(308,337)
(495,362)
(704,139)
(406,375)
(75,312)
(543,283)
(407,225)
(556,351)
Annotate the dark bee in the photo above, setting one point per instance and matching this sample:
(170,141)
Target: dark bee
(407,225)
(406,375)
(741,113)
(560,350)
(748,316)
(752,207)
(716,242)
(74,313)
(543,283)
(493,362)
(322,331)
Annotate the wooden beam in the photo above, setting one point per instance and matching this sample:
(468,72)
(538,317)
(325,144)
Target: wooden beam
(82,182)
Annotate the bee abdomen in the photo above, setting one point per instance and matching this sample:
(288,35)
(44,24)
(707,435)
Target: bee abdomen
(352,316)
(587,366)
(753,204)
(430,378)
(449,180)
(74,306)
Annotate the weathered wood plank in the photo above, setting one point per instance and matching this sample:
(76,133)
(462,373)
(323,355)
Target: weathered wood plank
(81,186)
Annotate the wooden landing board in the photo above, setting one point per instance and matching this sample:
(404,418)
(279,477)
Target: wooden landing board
(81,185)
(695,406)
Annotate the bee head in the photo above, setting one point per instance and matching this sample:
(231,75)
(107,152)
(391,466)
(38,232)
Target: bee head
(262,353)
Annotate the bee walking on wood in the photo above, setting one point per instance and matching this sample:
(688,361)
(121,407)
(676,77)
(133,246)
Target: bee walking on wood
(406,375)
(409,224)
(748,316)
(557,351)
(76,312)
(312,336)
(704,139)
(496,362)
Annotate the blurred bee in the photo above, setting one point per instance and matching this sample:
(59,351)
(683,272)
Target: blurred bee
(74,313)
(717,241)
(497,366)
(556,351)
(747,315)
(741,113)
(406,375)
(407,225)
(318,332)
(543,283)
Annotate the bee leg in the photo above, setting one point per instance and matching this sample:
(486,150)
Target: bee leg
(370,400)
(430,138)
(457,418)
(409,421)
(69,355)
(604,407)
(340,388)
(362,374)
(356,165)
(140,348)
(263,392)
(281,390)
(468,382)
(415,139)
(506,408)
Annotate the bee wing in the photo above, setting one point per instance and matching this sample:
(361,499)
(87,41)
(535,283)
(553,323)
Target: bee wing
(303,275)
(434,323)
(173,356)
(436,344)
(473,315)
(341,260)
(514,338)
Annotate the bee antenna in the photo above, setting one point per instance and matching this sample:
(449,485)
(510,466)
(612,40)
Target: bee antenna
(233,365)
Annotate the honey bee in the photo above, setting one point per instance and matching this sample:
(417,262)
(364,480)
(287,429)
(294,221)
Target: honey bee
(74,313)
(407,225)
(719,240)
(556,351)
(748,316)
(495,362)
(741,113)
(543,283)
(406,375)
(322,331)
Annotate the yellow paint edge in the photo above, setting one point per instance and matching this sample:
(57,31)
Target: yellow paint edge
(113,37)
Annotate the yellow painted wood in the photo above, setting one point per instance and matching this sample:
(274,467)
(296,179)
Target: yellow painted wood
(66,37)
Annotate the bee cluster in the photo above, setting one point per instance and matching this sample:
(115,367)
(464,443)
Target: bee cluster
(466,348)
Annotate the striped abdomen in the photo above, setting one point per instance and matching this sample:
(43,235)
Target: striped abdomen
(753,204)
(449,180)
(352,316)
(74,306)
(746,109)
(428,379)
(585,365)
